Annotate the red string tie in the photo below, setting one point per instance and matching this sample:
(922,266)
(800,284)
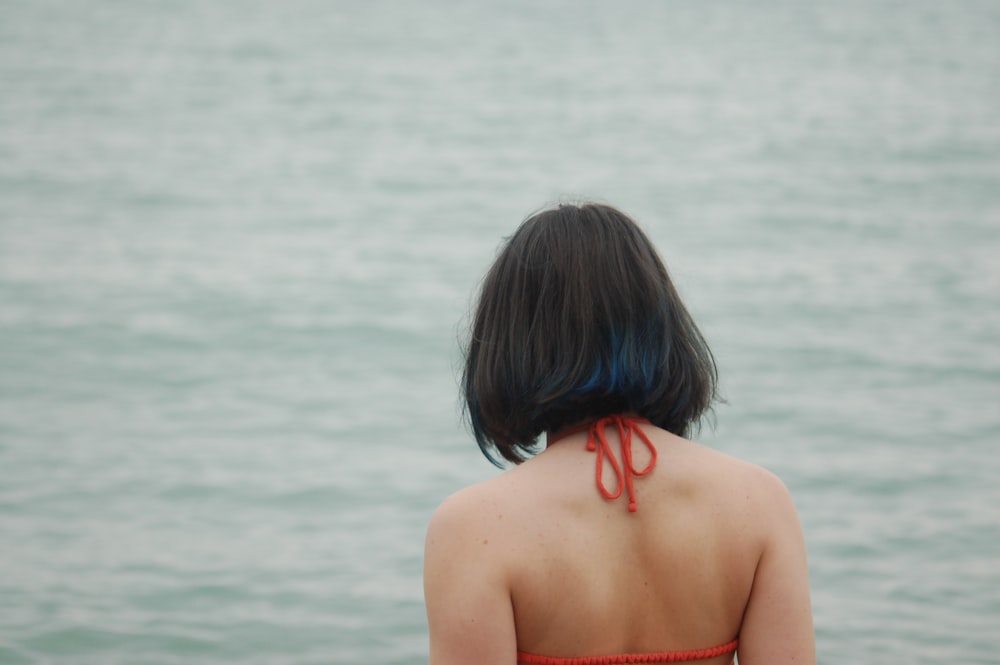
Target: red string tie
(597,441)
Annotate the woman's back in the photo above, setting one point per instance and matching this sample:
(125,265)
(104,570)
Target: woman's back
(585,577)
(625,580)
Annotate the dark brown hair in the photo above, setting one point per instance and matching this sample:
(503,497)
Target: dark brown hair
(578,319)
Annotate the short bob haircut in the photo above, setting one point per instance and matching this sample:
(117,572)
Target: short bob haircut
(578,319)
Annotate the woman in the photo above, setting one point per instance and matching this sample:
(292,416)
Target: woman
(621,541)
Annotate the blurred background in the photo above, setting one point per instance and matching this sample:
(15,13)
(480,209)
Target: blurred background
(239,241)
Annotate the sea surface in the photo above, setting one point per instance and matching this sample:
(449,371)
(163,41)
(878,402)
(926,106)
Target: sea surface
(239,241)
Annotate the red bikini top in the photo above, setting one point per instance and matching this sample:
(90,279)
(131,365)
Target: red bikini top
(624,659)
(598,442)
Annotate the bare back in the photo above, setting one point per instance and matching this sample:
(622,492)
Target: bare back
(583,576)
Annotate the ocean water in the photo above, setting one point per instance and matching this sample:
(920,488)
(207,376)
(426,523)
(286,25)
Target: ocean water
(239,240)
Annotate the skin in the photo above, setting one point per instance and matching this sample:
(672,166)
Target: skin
(537,560)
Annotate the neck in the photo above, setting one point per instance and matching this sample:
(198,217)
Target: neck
(554,436)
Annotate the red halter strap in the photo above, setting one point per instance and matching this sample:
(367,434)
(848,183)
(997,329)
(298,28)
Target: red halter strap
(598,442)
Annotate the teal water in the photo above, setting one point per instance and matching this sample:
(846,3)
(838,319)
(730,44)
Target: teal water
(238,240)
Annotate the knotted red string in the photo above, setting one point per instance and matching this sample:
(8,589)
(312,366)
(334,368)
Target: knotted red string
(598,442)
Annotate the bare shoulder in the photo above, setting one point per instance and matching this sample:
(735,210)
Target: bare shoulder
(760,490)
(466,591)
(777,622)
(730,468)
(469,515)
